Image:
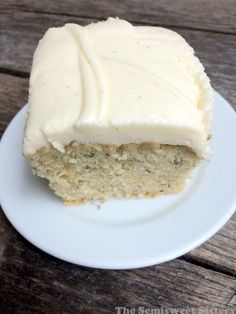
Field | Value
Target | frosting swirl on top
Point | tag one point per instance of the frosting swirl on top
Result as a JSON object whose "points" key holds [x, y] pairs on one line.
{"points": [[113, 83]]}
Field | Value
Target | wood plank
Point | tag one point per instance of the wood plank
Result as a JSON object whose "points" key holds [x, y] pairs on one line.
{"points": [[32, 282], [13, 95], [218, 252], [19, 34], [211, 15]]}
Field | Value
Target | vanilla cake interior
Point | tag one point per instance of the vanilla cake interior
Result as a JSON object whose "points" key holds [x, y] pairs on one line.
{"points": [[91, 172], [116, 111]]}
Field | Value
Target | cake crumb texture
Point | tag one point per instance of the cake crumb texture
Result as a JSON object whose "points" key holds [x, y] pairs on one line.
{"points": [[97, 172]]}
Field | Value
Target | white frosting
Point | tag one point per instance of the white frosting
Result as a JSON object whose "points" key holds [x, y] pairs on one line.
{"points": [[113, 83]]}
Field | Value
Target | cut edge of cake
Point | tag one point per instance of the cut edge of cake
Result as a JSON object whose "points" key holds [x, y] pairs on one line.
{"points": [[97, 172]]}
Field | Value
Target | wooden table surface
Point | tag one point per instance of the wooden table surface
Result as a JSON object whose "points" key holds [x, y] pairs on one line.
{"points": [[32, 281]]}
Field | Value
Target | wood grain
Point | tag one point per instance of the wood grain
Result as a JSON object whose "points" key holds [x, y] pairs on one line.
{"points": [[13, 95], [213, 15], [17, 44], [218, 252], [34, 282]]}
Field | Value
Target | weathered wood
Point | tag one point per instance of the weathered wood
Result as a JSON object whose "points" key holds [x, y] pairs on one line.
{"points": [[34, 282], [13, 95], [212, 15], [19, 34], [220, 251]]}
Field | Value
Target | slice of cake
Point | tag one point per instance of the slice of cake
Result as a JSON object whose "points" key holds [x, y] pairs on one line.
{"points": [[116, 110]]}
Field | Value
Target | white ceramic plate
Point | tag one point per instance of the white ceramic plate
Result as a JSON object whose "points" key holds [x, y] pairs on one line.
{"points": [[122, 233]]}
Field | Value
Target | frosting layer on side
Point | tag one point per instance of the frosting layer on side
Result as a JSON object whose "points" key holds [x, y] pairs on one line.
{"points": [[113, 83]]}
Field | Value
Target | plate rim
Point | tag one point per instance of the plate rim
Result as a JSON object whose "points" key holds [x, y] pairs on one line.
{"points": [[136, 264]]}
